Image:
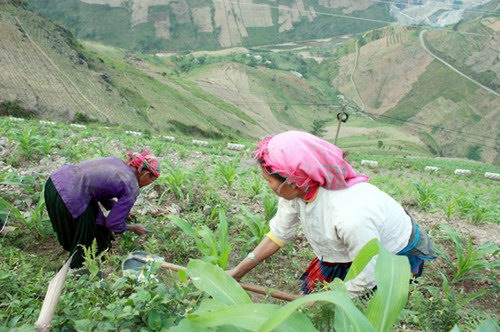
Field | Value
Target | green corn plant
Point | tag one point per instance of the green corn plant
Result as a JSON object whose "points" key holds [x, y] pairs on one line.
{"points": [[471, 207], [29, 143], [46, 146], [256, 186], [231, 305], [182, 152], [201, 173], [8, 211], [470, 262], [35, 220], [206, 241], [449, 209], [175, 180], [270, 203], [99, 149], [257, 228], [157, 147], [25, 182], [426, 195], [228, 171]]}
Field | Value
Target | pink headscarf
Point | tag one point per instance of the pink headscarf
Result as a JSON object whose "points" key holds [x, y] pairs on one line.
{"points": [[143, 160], [308, 161]]}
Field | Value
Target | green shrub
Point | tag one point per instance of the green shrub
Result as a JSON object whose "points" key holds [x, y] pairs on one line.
{"points": [[14, 108]]}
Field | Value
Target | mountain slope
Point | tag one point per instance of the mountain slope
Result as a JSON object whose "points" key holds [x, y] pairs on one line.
{"points": [[395, 78], [159, 25], [43, 68], [48, 71]]}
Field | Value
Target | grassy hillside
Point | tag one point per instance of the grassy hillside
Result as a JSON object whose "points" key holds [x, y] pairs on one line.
{"points": [[190, 25], [475, 52], [45, 68]]}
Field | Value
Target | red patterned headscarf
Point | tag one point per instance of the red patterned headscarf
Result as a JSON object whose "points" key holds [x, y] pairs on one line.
{"points": [[307, 161], [143, 160]]}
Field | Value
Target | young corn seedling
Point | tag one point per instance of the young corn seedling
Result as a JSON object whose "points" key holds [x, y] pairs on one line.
{"points": [[257, 227], [228, 171], [270, 203], [24, 182], [29, 143], [175, 180], [426, 195], [214, 248], [256, 186], [470, 207], [470, 262]]}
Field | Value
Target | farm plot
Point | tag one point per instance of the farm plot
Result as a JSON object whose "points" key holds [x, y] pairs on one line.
{"points": [[210, 207]]}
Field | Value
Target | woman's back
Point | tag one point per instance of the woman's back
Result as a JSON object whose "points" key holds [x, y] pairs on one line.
{"points": [[99, 179]]}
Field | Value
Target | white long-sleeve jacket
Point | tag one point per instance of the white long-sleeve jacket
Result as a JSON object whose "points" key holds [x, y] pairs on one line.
{"points": [[338, 223]]}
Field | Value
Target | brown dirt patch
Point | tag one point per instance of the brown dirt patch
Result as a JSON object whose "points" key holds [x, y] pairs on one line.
{"points": [[202, 19], [309, 55], [231, 83], [386, 71], [256, 16], [348, 6]]}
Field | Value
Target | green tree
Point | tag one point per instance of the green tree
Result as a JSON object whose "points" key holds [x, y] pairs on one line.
{"points": [[318, 127]]}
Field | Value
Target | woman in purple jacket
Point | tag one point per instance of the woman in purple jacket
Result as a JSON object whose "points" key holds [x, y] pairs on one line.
{"points": [[72, 194]]}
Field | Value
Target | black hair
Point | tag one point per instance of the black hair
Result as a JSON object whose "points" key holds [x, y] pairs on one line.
{"points": [[270, 171]]}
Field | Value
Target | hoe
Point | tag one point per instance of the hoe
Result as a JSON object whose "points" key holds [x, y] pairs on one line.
{"points": [[139, 260]]}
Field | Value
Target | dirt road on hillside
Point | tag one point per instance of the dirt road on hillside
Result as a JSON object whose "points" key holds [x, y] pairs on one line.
{"points": [[422, 42]]}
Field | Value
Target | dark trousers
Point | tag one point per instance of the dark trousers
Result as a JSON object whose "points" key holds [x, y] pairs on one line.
{"points": [[73, 233]]}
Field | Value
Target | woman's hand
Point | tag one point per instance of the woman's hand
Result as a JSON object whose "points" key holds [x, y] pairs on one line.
{"points": [[137, 229], [265, 249]]}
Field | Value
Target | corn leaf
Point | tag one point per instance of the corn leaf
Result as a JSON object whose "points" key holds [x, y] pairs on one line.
{"points": [[392, 274], [251, 316], [362, 259], [225, 246], [215, 282], [488, 325], [183, 225], [340, 299]]}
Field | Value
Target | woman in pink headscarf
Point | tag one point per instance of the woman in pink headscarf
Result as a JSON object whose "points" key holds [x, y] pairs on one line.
{"points": [[337, 209], [72, 194]]}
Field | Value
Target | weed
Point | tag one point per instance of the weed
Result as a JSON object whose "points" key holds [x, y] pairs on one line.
{"points": [[92, 260]]}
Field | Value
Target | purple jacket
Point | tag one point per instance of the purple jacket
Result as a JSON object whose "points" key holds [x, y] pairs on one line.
{"points": [[101, 180]]}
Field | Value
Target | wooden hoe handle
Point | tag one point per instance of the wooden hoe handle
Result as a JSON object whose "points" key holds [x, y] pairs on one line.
{"points": [[250, 287], [52, 298]]}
